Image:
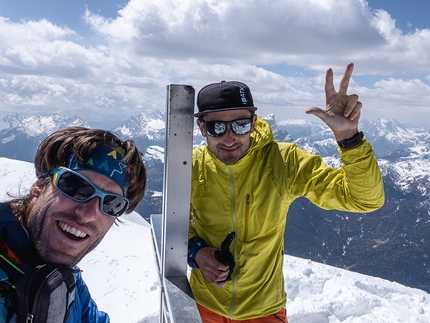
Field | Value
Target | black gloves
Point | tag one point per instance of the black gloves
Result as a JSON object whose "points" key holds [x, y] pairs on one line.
{"points": [[224, 255]]}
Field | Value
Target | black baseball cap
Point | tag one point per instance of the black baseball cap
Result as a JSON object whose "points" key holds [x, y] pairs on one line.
{"points": [[224, 96]]}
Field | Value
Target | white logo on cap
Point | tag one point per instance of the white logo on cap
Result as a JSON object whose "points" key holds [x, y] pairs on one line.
{"points": [[242, 95]]}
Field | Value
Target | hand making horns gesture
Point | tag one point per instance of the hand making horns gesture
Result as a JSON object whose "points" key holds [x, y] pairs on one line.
{"points": [[343, 111]]}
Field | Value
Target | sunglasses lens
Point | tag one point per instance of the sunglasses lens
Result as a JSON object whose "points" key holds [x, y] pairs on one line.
{"points": [[81, 190], [218, 128], [215, 128], [241, 126], [114, 205], [75, 187]]}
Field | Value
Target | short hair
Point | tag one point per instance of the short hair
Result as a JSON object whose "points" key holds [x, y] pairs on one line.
{"points": [[56, 149]]}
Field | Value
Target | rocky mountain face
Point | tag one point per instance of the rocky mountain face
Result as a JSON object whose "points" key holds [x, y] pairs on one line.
{"points": [[392, 242]]}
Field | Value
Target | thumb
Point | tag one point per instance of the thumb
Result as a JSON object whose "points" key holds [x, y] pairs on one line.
{"points": [[316, 112]]}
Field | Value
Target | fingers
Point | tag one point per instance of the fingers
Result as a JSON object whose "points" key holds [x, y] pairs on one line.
{"points": [[323, 115], [329, 87], [353, 107], [217, 277], [316, 112], [344, 82], [342, 111], [214, 271]]}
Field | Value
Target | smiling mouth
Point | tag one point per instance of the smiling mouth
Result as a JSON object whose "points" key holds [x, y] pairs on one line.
{"points": [[229, 148], [72, 232]]}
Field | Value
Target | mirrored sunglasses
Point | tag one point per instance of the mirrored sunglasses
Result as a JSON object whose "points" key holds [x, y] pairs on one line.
{"points": [[218, 128], [80, 189]]}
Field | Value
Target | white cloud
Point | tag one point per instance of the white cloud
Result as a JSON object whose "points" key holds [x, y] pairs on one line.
{"points": [[265, 31], [129, 59], [30, 32]]}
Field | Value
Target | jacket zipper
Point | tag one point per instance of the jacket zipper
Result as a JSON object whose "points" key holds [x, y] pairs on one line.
{"points": [[245, 233], [233, 219]]}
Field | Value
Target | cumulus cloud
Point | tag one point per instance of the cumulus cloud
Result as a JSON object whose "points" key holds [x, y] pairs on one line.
{"points": [[232, 31], [126, 61], [307, 33]]}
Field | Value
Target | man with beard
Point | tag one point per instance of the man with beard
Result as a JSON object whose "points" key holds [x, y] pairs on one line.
{"points": [[243, 183], [86, 180]]}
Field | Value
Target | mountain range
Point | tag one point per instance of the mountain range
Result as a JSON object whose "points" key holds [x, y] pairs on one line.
{"points": [[392, 243]]}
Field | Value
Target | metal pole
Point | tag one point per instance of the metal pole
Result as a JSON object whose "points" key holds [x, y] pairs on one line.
{"points": [[170, 232]]}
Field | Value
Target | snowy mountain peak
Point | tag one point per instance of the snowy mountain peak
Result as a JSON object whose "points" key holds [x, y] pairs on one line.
{"points": [[149, 125], [35, 126]]}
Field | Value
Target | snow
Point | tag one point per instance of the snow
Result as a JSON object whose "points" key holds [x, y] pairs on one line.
{"points": [[8, 139], [320, 293], [155, 152], [122, 277], [35, 125], [15, 177], [126, 132], [157, 194], [317, 293], [156, 124], [293, 122]]}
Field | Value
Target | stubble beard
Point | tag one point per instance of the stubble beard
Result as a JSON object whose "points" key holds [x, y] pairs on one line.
{"points": [[39, 234]]}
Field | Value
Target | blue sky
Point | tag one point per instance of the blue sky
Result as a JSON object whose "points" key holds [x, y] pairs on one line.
{"points": [[113, 59], [62, 13], [409, 14]]}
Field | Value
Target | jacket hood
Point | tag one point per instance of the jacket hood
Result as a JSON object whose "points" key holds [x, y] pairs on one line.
{"points": [[261, 136]]}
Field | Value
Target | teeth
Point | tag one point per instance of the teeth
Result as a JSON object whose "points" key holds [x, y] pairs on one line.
{"points": [[73, 231]]}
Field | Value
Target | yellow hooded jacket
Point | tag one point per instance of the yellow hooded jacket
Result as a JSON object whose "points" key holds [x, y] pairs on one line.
{"points": [[252, 198]]}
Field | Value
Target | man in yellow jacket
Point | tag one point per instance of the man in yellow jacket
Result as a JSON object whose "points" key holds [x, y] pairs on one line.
{"points": [[243, 183]]}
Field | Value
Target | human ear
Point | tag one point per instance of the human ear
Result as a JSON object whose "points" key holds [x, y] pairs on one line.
{"points": [[254, 120], [36, 188], [202, 128]]}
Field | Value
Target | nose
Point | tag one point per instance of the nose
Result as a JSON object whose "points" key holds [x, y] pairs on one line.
{"points": [[88, 211], [229, 136]]}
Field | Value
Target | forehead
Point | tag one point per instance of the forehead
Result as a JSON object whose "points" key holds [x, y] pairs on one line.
{"points": [[227, 115]]}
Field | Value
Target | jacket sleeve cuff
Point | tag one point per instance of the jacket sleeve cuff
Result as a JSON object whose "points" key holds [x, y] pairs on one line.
{"points": [[194, 245]]}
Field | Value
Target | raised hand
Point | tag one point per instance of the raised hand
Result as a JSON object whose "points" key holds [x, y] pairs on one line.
{"points": [[342, 111]]}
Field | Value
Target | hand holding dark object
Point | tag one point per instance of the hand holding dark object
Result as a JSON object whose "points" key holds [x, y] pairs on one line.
{"points": [[224, 255]]}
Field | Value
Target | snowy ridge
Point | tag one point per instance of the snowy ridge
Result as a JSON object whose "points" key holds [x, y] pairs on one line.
{"points": [[154, 152], [410, 171], [149, 125], [34, 126]]}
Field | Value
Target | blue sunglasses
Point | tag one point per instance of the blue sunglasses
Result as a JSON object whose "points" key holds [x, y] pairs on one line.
{"points": [[80, 189]]}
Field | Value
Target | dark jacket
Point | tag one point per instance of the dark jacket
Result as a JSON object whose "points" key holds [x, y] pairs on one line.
{"points": [[15, 243]]}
